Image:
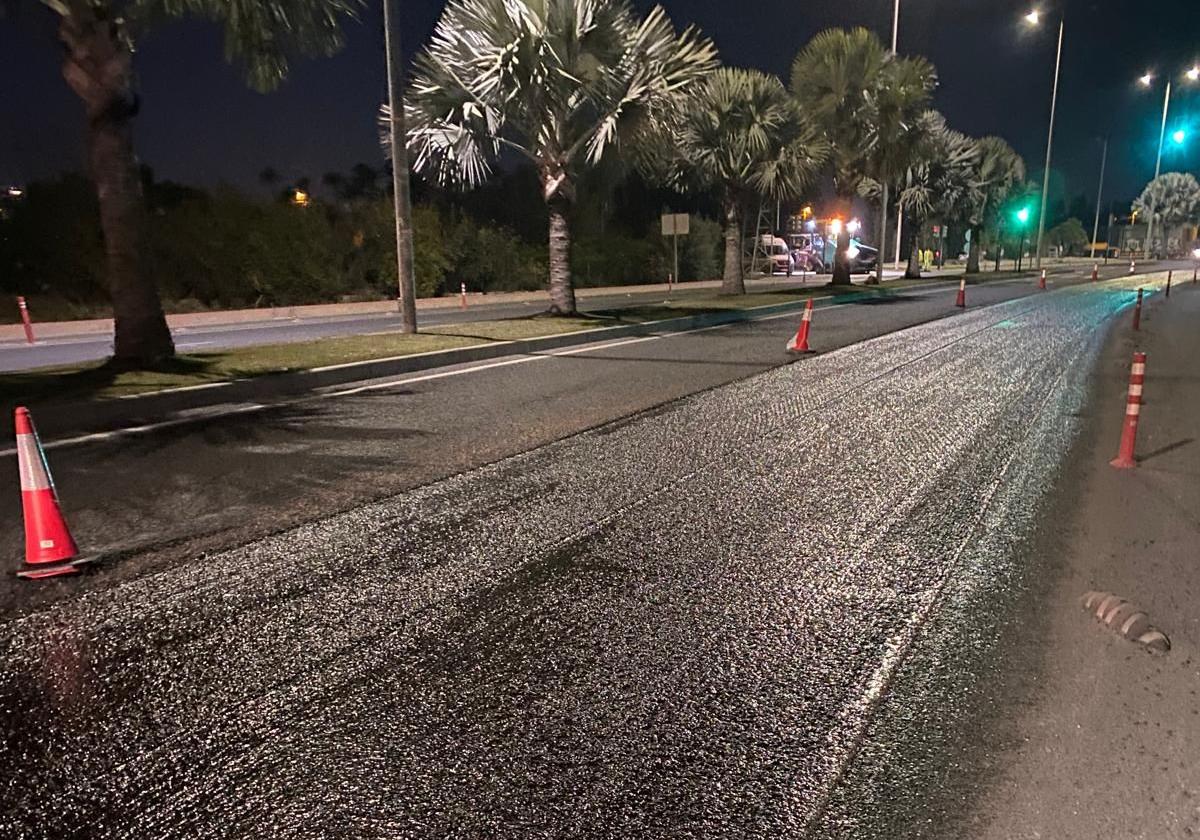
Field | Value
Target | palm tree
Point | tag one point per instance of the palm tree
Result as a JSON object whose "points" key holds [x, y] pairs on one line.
{"points": [[941, 181], [895, 134], [558, 82], [98, 36], [837, 78], [740, 133], [999, 171], [1172, 197]]}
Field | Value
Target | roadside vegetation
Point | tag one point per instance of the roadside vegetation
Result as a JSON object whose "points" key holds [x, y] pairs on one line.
{"points": [[545, 138]]}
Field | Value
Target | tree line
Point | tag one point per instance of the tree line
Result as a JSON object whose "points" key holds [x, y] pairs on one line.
{"points": [[565, 89]]}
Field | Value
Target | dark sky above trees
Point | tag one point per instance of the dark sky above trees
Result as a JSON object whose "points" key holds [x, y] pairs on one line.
{"points": [[200, 124]]}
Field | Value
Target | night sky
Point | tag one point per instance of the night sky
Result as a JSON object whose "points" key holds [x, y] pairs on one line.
{"points": [[201, 125]]}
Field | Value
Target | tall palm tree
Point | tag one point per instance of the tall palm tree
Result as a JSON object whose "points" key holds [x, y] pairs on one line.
{"points": [[940, 184], [999, 170], [895, 134], [558, 82], [740, 133], [837, 78], [99, 39]]}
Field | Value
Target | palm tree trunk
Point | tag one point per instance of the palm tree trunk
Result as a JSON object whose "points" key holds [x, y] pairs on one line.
{"points": [[882, 237], [976, 248], [562, 292], [913, 272], [841, 256], [97, 67], [733, 282]]}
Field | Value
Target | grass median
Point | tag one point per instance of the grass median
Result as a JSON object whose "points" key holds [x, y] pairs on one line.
{"points": [[100, 380]]}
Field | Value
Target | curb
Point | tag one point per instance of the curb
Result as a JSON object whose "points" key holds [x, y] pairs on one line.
{"points": [[102, 415]]}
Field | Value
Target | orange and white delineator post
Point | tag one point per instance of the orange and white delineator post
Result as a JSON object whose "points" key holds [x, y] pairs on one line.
{"points": [[462, 291], [1133, 411], [49, 547], [961, 300], [25, 321], [799, 343], [1137, 312], [1095, 272], [1042, 279]]}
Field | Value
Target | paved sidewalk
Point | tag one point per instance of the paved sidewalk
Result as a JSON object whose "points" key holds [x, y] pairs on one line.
{"points": [[1108, 745]]}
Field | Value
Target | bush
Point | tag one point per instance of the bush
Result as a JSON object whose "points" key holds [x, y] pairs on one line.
{"points": [[231, 251], [50, 242], [490, 259]]}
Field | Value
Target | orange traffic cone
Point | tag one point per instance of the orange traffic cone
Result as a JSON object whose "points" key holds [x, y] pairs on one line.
{"points": [[1042, 280], [49, 548], [799, 344], [961, 301]]}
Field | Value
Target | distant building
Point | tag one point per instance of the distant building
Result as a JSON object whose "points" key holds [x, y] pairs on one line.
{"points": [[1179, 240]]}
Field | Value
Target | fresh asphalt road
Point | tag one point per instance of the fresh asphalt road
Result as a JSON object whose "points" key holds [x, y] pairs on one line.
{"points": [[222, 481], [681, 624]]}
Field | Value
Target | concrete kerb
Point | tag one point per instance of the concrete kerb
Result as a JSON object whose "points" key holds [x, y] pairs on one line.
{"points": [[102, 415]]}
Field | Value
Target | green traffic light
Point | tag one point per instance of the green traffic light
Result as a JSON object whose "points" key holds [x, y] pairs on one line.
{"points": [[1023, 215], [1179, 137]]}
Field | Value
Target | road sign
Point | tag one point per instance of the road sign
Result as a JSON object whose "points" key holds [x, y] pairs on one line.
{"points": [[674, 224]]}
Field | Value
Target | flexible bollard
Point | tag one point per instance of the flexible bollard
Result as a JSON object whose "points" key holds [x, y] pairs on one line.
{"points": [[1132, 266], [1137, 313], [25, 322], [1095, 272], [961, 300], [1042, 280], [799, 342], [1133, 411], [462, 293]]}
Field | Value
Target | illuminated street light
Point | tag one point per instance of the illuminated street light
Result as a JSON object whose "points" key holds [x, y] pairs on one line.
{"points": [[300, 198], [1179, 136], [853, 226], [1147, 80], [1034, 17], [1023, 215]]}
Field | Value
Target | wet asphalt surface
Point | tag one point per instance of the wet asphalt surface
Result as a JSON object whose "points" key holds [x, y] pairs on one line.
{"points": [[681, 624]]}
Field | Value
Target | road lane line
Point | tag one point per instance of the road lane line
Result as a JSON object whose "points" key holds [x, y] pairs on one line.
{"points": [[928, 289]]}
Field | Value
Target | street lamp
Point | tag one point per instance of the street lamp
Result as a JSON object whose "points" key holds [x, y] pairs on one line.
{"points": [[1034, 18], [1179, 136]]}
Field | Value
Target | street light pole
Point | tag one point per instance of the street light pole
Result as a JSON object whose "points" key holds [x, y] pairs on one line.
{"points": [[405, 285], [899, 210], [1049, 145], [1099, 193], [1162, 133]]}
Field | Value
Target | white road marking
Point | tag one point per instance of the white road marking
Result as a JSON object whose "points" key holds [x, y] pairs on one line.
{"points": [[247, 408]]}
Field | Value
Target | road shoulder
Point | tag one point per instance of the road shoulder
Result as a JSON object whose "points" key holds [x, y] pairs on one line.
{"points": [[1102, 735]]}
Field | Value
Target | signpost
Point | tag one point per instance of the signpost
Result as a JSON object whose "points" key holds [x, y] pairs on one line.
{"points": [[675, 225]]}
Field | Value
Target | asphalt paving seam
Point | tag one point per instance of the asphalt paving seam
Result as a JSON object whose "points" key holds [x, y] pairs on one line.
{"points": [[851, 388], [927, 289]]}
